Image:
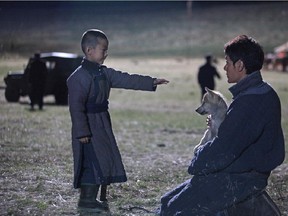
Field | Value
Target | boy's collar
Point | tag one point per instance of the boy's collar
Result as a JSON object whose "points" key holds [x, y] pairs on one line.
{"points": [[90, 66]]}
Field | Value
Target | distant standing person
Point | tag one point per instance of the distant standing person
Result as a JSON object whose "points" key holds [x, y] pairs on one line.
{"points": [[97, 160], [37, 79], [206, 75]]}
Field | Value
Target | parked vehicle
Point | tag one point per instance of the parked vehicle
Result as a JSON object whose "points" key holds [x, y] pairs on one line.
{"points": [[277, 60], [60, 65]]}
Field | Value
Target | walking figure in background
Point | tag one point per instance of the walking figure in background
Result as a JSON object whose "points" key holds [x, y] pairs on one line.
{"points": [[37, 79], [97, 160], [206, 75]]}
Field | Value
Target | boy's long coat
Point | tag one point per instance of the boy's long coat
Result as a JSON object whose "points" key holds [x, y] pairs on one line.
{"points": [[89, 87]]}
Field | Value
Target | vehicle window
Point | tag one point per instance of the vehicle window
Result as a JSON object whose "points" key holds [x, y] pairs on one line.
{"points": [[50, 65]]}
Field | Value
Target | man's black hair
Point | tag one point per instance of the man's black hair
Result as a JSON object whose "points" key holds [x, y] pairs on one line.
{"points": [[247, 50]]}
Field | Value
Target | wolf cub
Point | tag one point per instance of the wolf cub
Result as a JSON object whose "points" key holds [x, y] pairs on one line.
{"points": [[213, 104]]}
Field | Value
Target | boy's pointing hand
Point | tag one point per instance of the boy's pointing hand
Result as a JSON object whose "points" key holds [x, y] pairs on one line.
{"points": [[160, 81]]}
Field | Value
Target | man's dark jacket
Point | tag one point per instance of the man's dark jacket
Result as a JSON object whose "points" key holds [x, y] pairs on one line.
{"points": [[237, 163]]}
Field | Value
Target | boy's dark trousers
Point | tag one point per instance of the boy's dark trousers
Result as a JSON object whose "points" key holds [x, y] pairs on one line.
{"points": [[88, 188]]}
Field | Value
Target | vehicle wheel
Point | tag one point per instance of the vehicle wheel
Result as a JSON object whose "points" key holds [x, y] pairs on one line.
{"points": [[12, 94]]}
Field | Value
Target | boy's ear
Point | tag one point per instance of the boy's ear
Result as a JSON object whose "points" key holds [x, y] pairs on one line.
{"points": [[88, 49]]}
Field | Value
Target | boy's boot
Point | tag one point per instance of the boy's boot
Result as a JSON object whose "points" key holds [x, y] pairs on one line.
{"points": [[103, 197], [88, 200], [103, 193]]}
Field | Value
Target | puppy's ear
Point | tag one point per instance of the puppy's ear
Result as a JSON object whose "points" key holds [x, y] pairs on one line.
{"points": [[210, 93], [208, 90]]}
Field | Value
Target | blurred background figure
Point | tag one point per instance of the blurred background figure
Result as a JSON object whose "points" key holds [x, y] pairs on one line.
{"points": [[189, 8], [37, 79], [206, 75]]}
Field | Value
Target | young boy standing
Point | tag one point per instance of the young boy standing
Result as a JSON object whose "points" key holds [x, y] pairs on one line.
{"points": [[97, 160]]}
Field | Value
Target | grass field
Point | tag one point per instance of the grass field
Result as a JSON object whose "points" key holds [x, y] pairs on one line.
{"points": [[156, 132], [143, 29]]}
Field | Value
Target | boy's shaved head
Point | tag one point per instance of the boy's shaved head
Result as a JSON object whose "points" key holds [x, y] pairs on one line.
{"points": [[90, 38]]}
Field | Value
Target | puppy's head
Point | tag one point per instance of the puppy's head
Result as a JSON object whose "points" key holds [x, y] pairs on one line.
{"points": [[210, 101]]}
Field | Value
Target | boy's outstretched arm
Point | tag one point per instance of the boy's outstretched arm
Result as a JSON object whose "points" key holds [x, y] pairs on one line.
{"points": [[160, 81]]}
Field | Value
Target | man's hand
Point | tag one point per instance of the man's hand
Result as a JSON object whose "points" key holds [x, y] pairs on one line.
{"points": [[160, 81], [208, 121]]}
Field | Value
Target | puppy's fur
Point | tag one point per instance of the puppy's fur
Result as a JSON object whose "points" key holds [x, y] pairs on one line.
{"points": [[213, 104]]}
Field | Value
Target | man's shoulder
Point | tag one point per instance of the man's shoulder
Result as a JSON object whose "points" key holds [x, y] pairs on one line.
{"points": [[260, 89]]}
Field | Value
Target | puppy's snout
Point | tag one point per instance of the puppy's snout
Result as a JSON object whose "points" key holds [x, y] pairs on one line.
{"points": [[200, 110]]}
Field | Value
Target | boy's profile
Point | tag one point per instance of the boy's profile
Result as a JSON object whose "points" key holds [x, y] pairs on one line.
{"points": [[97, 160]]}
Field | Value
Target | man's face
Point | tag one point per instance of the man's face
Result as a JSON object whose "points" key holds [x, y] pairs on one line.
{"points": [[234, 72], [99, 53]]}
